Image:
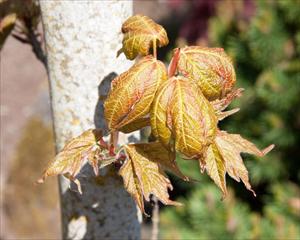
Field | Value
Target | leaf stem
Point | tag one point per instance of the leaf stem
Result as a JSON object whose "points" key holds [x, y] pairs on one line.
{"points": [[113, 142], [173, 64], [154, 49]]}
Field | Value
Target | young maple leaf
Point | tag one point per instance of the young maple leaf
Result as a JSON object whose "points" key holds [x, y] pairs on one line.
{"points": [[180, 111], [143, 172], [210, 68], [132, 92], [158, 113], [88, 147], [140, 33], [223, 156], [221, 104], [135, 125]]}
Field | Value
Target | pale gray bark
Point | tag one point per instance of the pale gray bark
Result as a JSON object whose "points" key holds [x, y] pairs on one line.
{"points": [[82, 39]]}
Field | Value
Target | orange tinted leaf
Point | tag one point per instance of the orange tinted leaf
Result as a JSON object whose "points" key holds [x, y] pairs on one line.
{"points": [[215, 167], [158, 113], [135, 125], [230, 146], [139, 34], [75, 154], [151, 178], [220, 104], [240, 144], [131, 183], [191, 118], [166, 159], [133, 92], [210, 68], [225, 114]]}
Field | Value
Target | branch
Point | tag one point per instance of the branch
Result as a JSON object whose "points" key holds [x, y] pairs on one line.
{"points": [[155, 219], [36, 47]]}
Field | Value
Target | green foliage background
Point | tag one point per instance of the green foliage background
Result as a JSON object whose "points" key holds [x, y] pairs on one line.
{"points": [[266, 51]]}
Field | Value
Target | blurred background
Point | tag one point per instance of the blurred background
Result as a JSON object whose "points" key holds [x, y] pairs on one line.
{"points": [[262, 37]]}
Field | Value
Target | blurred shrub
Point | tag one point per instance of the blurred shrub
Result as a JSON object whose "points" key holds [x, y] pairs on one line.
{"points": [[205, 217], [263, 37]]}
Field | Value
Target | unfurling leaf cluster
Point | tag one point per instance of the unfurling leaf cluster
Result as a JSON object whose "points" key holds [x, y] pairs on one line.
{"points": [[182, 105]]}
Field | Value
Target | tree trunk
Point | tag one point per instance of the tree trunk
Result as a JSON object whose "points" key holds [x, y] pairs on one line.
{"points": [[82, 39]]}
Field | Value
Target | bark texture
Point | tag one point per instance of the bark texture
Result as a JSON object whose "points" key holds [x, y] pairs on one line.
{"points": [[82, 39]]}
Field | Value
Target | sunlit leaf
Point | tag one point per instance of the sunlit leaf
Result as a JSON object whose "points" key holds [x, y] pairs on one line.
{"points": [[139, 34], [158, 113], [143, 171], [78, 151], [132, 183], [220, 104], [215, 167], [159, 154], [230, 146], [210, 68], [135, 125], [191, 118], [133, 91], [242, 145]]}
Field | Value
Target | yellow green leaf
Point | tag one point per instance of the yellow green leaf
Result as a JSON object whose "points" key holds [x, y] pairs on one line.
{"points": [[131, 183], [191, 118], [215, 167], [240, 144], [159, 154], [220, 104], [78, 151], [210, 68], [133, 91], [158, 113], [145, 173], [140, 32], [230, 146], [135, 125]]}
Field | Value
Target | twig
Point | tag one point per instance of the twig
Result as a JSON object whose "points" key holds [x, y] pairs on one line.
{"points": [[155, 219], [31, 38], [22, 40], [36, 47]]}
